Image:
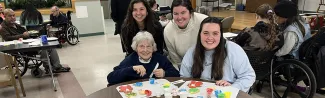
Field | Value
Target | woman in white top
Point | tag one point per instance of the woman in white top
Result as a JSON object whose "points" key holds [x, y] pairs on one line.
{"points": [[181, 32]]}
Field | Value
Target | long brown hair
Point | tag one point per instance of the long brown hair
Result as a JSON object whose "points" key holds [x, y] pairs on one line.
{"points": [[265, 11], [218, 57], [130, 27]]}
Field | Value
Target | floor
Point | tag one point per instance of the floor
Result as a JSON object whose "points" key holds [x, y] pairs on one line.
{"points": [[91, 60], [242, 20]]}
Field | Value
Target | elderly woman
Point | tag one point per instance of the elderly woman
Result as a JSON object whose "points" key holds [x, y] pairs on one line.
{"points": [[141, 64]]}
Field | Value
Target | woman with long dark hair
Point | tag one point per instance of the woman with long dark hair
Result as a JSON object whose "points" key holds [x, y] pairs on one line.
{"points": [[295, 31], [141, 18], [31, 16], [264, 36], [215, 58]]}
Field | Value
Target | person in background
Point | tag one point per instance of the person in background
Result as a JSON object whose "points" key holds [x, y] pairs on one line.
{"points": [[179, 34], [2, 16], [141, 64], [140, 17], [119, 9], [161, 18], [12, 31], [295, 31], [264, 36], [31, 16], [214, 58]]}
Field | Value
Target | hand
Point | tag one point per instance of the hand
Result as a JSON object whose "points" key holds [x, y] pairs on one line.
{"points": [[223, 83], [140, 70], [26, 34], [159, 73]]}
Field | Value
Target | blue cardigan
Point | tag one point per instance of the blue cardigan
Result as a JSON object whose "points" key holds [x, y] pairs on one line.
{"points": [[124, 72]]}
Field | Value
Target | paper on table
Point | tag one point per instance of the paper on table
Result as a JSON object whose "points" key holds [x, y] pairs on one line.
{"points": [[229, 34], [35, 43], [81, 12], [6, 43], [29, 40]]}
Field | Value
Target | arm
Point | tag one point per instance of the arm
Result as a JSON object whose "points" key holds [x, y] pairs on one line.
{"points": [[173, 56], [8, 37], [170, 70], [114, 10], [121, 72], [243, 70], [290, 39], [187, 63], [40, 18]]}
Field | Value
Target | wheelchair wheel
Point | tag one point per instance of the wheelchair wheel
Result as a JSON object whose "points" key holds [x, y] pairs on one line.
{"points": [[72, 35], [293, 77], [37, 72]]}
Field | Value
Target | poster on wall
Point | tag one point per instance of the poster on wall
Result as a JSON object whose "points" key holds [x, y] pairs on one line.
{"points": [[81, 12]]}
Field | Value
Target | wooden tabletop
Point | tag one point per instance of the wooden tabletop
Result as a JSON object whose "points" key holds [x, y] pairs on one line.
{"points": [[111, 92]]}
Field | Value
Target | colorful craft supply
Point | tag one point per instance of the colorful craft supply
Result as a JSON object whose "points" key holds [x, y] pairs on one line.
{"points": [[217, 92], [221, 95], [125, 88], [194, 84], [227, 94], [199, 96], [152, 80], [130, 95], [166, 85], [193, 90], [138, 84], [148, 92], [141, 92], [182, 90]]}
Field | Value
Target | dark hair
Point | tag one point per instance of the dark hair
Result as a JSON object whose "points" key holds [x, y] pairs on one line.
{"points": [[31, 14], [185, 3], [265, 11], [130, 27], [151, 3], [218, 57]]}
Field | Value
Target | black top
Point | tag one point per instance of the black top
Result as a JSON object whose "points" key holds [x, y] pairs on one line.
{"points": [[119, 9], [56, 21], [124, 72]]}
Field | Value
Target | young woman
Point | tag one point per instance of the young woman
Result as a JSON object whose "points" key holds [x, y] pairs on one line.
{"points": [[295, 31], [179, 34], [142, 62], [264, 36], [31, 16], [141, 18], [215, 58]]}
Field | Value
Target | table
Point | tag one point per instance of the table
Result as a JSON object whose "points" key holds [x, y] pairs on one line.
{"points": [[111, 92], [13, 48]]}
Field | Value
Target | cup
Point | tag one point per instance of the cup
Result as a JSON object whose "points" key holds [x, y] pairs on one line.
{"points": [[168, 95], [152, 80], [44, 39], [183, 95]]}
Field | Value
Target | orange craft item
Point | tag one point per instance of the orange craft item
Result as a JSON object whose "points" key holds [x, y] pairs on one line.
{"points": [[125, 88], [148, 92], [195, 84]]}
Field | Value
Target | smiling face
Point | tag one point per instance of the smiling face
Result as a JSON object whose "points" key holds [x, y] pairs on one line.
{"points": [[139, 12], [145, 49], [181, 16], [210, 35]]}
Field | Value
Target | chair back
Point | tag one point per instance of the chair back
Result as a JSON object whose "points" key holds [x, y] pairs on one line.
{"points": [[69, 15], [227, 22], [261, 62], [3, 60]]}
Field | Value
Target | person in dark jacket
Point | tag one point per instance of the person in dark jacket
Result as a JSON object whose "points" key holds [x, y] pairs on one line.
{"points": [[140, 17], [31, 16], [119, 9], [141, 64], [57, 17], [264, 36]]}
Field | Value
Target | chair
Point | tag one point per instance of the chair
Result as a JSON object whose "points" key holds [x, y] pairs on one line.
{"points": [[7, 76], [322, 3], [208, 1], [227, 23]]}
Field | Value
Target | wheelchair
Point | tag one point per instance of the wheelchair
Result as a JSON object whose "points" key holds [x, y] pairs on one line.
{"points": [[284, 74], [67, 32]]}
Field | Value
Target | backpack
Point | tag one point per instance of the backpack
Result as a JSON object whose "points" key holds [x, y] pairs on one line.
{"points": [[312, 52]]}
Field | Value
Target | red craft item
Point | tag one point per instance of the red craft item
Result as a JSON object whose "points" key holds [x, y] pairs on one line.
{"points": [[209, 91], [195, 84], [148, 92], [125, 88]]}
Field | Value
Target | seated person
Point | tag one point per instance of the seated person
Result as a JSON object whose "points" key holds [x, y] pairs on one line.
{"points": [[214, 58], [141, 63], [2, 17], [295, 31], [264, 36], [31, 16], [161, 18], [12, 31], [57, 19]]}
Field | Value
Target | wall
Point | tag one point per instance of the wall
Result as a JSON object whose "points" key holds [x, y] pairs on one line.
{"points": [[310, 5]]}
